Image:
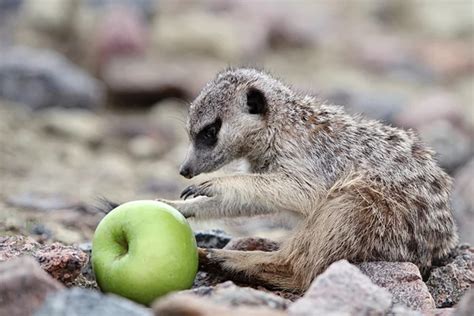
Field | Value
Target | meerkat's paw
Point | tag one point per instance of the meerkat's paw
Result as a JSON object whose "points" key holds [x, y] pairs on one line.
{"points": [[184, 207], [205, 188]]}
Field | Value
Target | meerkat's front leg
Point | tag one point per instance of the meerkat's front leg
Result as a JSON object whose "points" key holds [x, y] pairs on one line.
{"points": [[241, 195]]}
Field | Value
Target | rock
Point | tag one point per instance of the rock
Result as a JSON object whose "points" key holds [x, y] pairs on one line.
{"points": [[77, 301], [252, 243], [64, 263], [466, 305], [17, 246], [446, 21], [149, 81], [152, 146], [53, 18], [228, 293], [74, 124], [226, 37], [121, 31], [190, 305], [443, 312], [24, 286], [449, 282], [463, 202], [448, 59], [391, 55], [208, 279], [342, 290], [403, 280], [436, 105], [145, 7], [214, 238], [453, 148], [42, 79], [382, 107], [42, 202]]}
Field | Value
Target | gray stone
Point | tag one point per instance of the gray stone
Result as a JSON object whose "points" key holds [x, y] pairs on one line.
{"points": [[449, 282], [214, 238], [80, 302], [403, 280], [42, 202], [228, 293], [466, 305], [342, 290], [189, 304], [382, 106], [463, 202], [453, 147], [42, 78], [24, 286]]}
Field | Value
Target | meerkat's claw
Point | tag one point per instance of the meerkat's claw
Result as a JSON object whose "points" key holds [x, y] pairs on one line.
{"points": [[189, 191], [197, 190]]}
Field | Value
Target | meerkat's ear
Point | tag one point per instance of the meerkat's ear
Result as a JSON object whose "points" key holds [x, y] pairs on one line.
{"points": [[256, 101]]}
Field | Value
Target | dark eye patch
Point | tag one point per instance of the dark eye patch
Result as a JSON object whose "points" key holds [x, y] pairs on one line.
{"points": [[207, 137]]}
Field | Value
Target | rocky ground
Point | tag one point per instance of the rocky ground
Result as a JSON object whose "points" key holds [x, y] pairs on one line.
{"points": [[93, 99]]}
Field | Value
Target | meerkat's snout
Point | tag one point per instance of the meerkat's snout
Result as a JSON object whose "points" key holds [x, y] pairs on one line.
{"points": [[185, 171], [188, 168]]}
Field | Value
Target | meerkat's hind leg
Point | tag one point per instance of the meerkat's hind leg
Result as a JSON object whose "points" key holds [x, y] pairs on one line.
{"points": [[255, 267]]}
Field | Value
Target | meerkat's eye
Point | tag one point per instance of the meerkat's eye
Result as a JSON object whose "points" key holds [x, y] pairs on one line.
{"points": [[256, 101], [208, 135]]}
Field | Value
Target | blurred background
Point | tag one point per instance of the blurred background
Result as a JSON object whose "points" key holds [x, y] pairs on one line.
{"points": [[94, 93]]}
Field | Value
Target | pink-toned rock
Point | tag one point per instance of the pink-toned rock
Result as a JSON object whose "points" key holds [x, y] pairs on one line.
{"points": [[448, 59], [63, 263], [149, 81], [17, 246], [24, 286], [381, 52], [429, 108], [403, 280], [342, 290], [121, 32]]}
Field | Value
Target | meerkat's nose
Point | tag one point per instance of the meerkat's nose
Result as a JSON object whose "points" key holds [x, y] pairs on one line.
{"points": [[185, 171]]}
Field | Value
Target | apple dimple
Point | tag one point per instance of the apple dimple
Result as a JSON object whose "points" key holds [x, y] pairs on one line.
{"points": [[122, 240]]}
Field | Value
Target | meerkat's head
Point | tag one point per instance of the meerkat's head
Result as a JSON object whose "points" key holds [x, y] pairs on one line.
{"points": [[228, 120]]}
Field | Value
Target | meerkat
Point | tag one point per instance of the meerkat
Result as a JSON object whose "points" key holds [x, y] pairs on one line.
{"points": [[361, 190]]}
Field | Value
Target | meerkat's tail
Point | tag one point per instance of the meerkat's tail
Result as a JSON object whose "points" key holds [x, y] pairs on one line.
{"points": [[104, 205]]}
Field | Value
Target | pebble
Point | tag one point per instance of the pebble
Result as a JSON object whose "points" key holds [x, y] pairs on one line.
{"points": [[403, 280], [43, 79], [342, 290], [449, 282], [80, 302], [24, 286], [214, 238]]}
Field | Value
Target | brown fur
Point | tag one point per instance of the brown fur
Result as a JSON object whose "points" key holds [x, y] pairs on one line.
{"points": [[361, 190]]}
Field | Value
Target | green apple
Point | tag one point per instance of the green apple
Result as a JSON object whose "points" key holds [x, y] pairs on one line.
{"points": [[144, 249]]}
